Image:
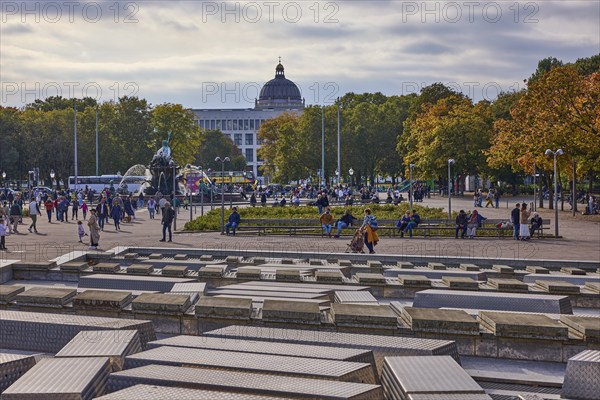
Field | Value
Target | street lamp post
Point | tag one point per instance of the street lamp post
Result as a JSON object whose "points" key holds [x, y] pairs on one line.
{"points": [[52, 175], [4, 179], [222, 161], [351, 172], [231, 190], [450, 162], [410, 192], [558, 152]]}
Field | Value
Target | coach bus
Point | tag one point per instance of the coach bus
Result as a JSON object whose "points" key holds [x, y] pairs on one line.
{"points": [[97, 183], [235, 177]]}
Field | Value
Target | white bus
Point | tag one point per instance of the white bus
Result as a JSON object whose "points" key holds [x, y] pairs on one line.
{"points": [[97, 183]]}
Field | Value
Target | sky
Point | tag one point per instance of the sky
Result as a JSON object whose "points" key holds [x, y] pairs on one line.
{"points": [[216, 54]]}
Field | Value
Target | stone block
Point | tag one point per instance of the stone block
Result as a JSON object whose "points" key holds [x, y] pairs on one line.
{"points": [[74, 266], [291, 311], [232, 260], [158, 303], [557, 287], [206, 257], [582, 377], [405, 265], [586, 328], [155, 256], [414, 280], [469, 267], [9, 292], [374, 264], [364, 314], [210, 272], [537, 270], [344, 263], [109, 268], [40, 266], [46, 297], [102, 299], [140, 269], [440, 321], [224, 307], [508, 285], [366, 278], [180, 257], [463, 283], [249, 273], [175, 270], [315, 261], [287, 261], [332, 260], [288, 275], [593, 287], [503, 269], [329, 276], [130, 256], [527, 326], [572, 271], [259, 260], [436, 266]]}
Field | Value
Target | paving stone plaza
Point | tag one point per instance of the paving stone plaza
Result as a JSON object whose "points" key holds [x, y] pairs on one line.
{"points": [[190, 322]]}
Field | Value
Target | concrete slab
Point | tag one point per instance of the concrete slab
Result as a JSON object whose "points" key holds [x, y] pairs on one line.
{"points": [[74, 266], [130, 256], [374, 264], [283, 310], [161, 303], [34, 265], [286, 261], [154, 392], [155, 256], [527, 326], [405, 265], [574, 279], [582, 378], [224, 307], [206, 257], [367, 278], [258, 260], [586, 328], [46, 297], [189, 287], [248, 273], [593, 286], [537, 270], [439, 321], [503, 269], [573, 271], [180, 257], [288, 275], [344, 263], [232, 260], [364, 314], [436, 266], [534, 373], [508, 285], [140, 269], [414, 280], [13, 364], [557, 287], [211, 272], [460, 283], [315, 261], [130, 282], [9, 292], [354, 297], [469, 267], [175, 270], [109, 268], [329, 276], [102, 299]]}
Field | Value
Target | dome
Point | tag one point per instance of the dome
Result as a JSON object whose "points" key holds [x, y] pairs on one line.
{"points": [[280, 92]]}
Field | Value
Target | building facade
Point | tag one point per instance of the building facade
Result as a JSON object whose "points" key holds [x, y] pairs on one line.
{"points": [[241, 125]]}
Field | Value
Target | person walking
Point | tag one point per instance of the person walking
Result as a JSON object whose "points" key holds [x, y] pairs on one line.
{"points": [[233, 221], [490, 198], [151, 207], [15, 215], [34, 211], [94, 229], [116, 213], [515, 218], [84, 209], [49, 206], [102, 212], [3, 229], [326, 220], [369, 231], [168, 215], [75, 210]]}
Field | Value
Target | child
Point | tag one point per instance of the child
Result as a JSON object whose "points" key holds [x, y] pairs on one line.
{"points": [[80, 231], [84, 208], [2, 234]]}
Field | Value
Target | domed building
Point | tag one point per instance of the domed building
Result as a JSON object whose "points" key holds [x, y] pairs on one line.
{"points": [[241, 125], [280, 93]]}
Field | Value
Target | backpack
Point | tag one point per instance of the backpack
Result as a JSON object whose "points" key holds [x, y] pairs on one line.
{"points": [[373, 223]]}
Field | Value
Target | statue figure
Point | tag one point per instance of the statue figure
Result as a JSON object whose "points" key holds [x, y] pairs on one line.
{"points": [[165, 150]]}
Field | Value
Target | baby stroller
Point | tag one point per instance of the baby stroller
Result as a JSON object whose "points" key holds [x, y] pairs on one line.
{"points": [[357, 243]]}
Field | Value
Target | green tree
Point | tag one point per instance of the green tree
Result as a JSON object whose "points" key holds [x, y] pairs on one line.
{"points": [[215, 144]]}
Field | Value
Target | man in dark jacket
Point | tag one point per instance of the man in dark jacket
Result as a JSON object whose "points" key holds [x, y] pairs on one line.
{"points": [[461, 224], [233, 221], [168, 216], [515, 216], [15, 215]]}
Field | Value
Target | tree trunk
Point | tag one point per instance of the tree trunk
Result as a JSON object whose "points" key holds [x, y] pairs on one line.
{"points": [[549, 185], [562, 194], [574, 189]]}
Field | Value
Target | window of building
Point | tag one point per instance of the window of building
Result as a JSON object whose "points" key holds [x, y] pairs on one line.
{"points": [[224, 124], [250, 155], [235, 124], [249, 139], [218, 126], [251, 124], [237, 139], [246, 124], [229, 125], [212, 124]]}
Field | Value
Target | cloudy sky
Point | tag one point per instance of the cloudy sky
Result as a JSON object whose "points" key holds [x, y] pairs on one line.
{"points": [[206, 54]]}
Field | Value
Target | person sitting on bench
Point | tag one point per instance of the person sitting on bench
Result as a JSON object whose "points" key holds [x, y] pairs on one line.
{"points": [[536, 223], [233, 221]]}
